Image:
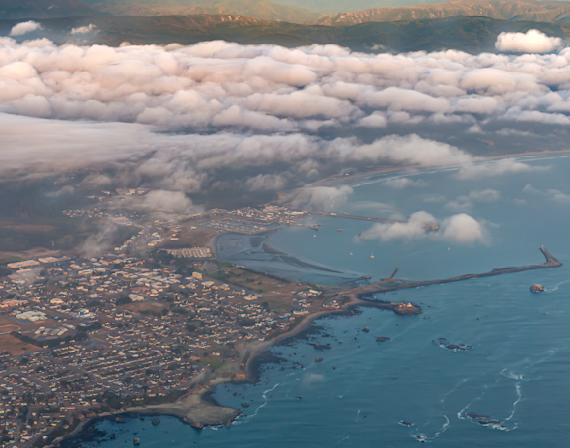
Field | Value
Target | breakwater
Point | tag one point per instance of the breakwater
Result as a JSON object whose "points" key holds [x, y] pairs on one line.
{"points": [[361, 218], [382, 286]]}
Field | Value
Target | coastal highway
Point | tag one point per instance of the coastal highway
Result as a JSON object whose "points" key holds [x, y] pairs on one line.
{"points": [[378, 287]]}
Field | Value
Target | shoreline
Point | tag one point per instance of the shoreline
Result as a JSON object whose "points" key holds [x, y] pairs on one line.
{"points": [[332, 180], [251, 367], [198, 408]]}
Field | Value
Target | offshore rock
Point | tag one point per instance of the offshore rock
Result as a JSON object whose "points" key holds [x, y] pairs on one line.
{"points": [[406, 308], [322, 347], [537, 288]]}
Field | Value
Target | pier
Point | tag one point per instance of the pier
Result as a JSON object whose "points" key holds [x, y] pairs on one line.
{"points": [[383, 286]]}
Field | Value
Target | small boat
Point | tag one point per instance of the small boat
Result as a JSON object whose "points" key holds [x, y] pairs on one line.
{"points": [[351, 253], [314, 236], [339, 230], [372, 256], [137, 441]]}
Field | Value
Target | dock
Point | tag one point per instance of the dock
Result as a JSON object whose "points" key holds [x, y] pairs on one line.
{"points": [[382, 286]]}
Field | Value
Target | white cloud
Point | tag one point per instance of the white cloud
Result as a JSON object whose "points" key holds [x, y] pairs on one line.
{"points": [[403, 182], [63, 191], [533, 41], [168, 202], [487, 195], [84, 29], [25, 27], [528, 188], [553, 194], [462, 203], [376, 120], [495, 168], [558, 196], [413, 228], [465, 203], [322, 198], [266, 182], [460, 228], [432, 197], [463, 228]]}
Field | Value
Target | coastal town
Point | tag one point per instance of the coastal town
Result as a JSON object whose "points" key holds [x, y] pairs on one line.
{"points": [[139, 325], [156, 320]]}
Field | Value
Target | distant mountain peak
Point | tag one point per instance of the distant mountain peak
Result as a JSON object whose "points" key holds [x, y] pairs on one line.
{"points": [[544, 11], [16, 9]]}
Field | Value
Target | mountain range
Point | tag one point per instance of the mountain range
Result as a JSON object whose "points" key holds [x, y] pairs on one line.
{"points": [[471, 25], [471, 34], [294, 11], [497, 9]]}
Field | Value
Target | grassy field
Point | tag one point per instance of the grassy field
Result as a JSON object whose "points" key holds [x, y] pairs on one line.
{"points": [[216, 363], [254, 281], [190, 238]]}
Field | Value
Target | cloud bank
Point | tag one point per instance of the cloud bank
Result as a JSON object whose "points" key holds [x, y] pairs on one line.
{"points": [[217, 85], [225, 116]]}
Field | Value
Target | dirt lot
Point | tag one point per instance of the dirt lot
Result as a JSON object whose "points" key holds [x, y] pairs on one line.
{"points": [[6, 323], [35, 253], [141, 307], [8, 328], [14, 346]]}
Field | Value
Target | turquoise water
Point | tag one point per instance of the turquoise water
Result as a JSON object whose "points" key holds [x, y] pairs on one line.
{"points": [[516, 371]]}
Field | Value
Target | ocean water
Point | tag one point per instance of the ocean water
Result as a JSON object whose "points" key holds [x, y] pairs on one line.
{"points": [[516, 371]]}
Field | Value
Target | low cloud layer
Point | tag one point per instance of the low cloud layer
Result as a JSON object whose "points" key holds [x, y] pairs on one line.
{"points": [[261, 118], [217, 85], [461, 228], [533, 41], [25, 27]]}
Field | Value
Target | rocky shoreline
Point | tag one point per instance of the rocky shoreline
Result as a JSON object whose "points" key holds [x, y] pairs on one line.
{"points": [[198, 408]]}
